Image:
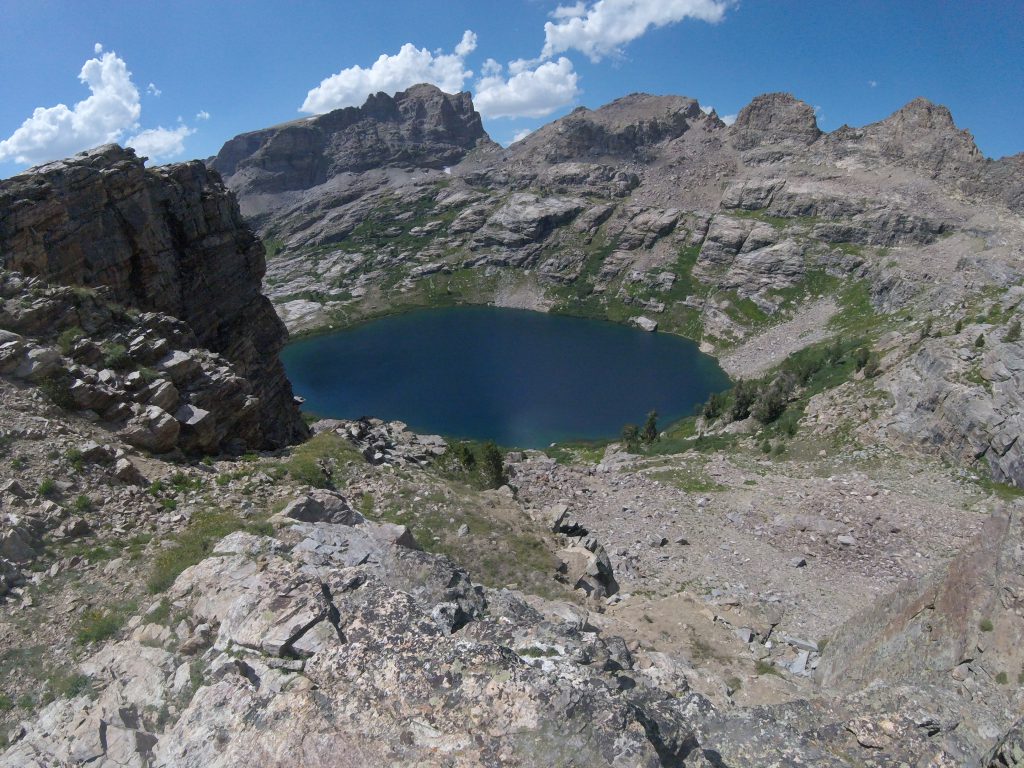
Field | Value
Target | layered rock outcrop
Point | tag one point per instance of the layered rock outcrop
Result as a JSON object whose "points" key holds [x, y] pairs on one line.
{"points": [[167, 240]]}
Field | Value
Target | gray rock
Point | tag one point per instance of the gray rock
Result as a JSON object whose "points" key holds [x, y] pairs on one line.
{"points": [[152, 429], [645, 323]]}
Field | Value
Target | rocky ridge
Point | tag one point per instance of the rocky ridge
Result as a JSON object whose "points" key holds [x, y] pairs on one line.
{"points": [[164, 240]]}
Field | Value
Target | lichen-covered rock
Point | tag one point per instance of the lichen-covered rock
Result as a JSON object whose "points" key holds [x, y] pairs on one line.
{"points": [[333, 647]]}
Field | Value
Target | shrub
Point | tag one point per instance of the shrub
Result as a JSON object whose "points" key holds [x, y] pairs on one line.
{"points": [[464, 455], [48, 487], [82, 503], [861, 357], [959, 326], [1002, 678], [1012, 332], [116, 356], [68, 338], [743, 395], [96, 625], [980, 341], [492, 465], [872, 367], [57, 388], [75, 459], [772, 401], [985, 625], [650, 431], [788, 423], [65, 685], [631, 436], [314, 461], [714, 407]]}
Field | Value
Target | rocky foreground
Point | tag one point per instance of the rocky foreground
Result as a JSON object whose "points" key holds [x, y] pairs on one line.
{"points": [[319, 634]]}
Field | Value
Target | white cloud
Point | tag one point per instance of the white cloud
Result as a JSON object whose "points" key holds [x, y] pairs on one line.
{"points": [[872, 83], [202, 114], [111, 111], [466, 45], [152, 90], [528, 92], [411, 65], [728, 119], [603, 27], [520, 135], [160, 143], [54, 132], [569, 11]]}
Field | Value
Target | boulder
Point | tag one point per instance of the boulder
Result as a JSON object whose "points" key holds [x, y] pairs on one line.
{"points": [[39, 363], [127, 472], [180, 366], [161, 393], [198, 428], [322, 507], [152, 429]]}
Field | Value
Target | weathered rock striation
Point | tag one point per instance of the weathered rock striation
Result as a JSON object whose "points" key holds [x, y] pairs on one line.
{"points": [[168, 240]]}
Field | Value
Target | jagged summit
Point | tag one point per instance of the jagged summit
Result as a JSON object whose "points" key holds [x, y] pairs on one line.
{"points": [[616, 129], [422, 126], [775, 118]]}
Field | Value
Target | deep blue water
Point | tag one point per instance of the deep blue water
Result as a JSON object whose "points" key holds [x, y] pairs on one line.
{"points": [[520, 378]]}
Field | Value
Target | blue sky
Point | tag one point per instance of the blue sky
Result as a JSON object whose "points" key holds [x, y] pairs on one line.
{"points": [[177, 79]]}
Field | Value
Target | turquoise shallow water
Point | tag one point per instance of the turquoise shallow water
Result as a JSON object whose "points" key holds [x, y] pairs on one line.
{"points": [[520, 378]]}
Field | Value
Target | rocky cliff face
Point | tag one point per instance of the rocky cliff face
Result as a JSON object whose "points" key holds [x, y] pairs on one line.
{"points": [[168, 240]]}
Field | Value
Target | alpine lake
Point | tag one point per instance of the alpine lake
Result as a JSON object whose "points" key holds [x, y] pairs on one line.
{"points": [[520, 378]]}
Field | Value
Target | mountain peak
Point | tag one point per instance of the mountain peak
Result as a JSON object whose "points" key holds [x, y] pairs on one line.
{"points": [[422, 126], [924, 135], [775, 118], [616, 129]]}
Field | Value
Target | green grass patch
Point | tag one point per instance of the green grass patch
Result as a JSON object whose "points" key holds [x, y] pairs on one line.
{"points": [[68, 338], [578, 451], [321, 460], [687, 480], [1002, 491], [98, 624], [195, 543], [763, 667]]}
